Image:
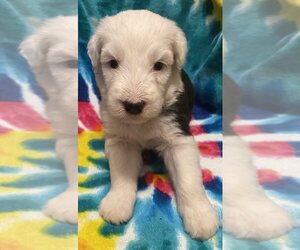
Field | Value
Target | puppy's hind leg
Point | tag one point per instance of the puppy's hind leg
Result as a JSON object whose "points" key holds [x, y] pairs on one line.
{"points": [[125, 161], [64, 207], [247, 211], [183, 164]]}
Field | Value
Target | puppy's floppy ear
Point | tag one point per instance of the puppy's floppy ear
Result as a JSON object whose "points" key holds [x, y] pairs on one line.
{"points": [[94, 50], [32, 50], [179, 47]]}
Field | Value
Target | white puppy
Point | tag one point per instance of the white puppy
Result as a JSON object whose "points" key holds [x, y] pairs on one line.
{"points": [[52, 53], [146, 103]]}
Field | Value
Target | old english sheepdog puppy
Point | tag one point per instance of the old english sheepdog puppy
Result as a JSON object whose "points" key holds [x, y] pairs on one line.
{"points": [[52, 53], [147, 100]]}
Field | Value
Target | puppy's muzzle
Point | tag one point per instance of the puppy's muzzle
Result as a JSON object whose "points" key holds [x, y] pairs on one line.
{"points": [[134, 108]]}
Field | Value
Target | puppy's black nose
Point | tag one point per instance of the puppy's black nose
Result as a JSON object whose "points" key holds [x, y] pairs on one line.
{"points": [[134, 108]]}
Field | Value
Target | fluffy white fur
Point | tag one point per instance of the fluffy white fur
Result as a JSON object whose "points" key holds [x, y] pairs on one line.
{"points": [[52, 52], [137, 40], [247, 212]]}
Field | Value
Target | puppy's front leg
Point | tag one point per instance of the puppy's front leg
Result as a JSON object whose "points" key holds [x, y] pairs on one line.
{"points": [[64, 207], [182, 160], [124, 161]]}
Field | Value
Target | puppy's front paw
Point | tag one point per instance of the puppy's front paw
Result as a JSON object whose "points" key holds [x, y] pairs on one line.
{"points": [[117, 206], [201, 222], [63, 207], [251, 220]]}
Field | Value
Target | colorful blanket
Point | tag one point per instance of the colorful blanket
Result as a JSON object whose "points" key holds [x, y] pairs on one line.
{"points": [[30, 173]]}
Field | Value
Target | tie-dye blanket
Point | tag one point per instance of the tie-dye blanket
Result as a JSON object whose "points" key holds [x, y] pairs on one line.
{"points": [[30, 173]]}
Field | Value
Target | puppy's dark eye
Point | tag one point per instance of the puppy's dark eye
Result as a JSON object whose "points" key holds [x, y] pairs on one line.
{"points": [[158, 66], [113, 64]]}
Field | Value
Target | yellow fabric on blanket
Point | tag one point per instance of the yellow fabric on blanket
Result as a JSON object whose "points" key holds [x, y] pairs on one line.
{"points": [[20, 232], [84, 153], [23, 165], [90, 222], [89, 238], [11, 149]]}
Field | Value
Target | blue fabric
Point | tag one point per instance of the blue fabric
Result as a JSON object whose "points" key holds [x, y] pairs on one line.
{"points": [[19, 19], [263, 53]]}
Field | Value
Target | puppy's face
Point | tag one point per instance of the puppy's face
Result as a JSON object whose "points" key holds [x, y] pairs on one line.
{"points": [[134, 55], [52, 53]]}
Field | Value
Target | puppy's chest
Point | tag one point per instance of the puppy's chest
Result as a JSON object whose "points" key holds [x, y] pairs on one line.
{"points": [[148, 136]]}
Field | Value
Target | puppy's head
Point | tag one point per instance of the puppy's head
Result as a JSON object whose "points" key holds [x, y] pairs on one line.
{"points": [[136, 55], [52, 53]]}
